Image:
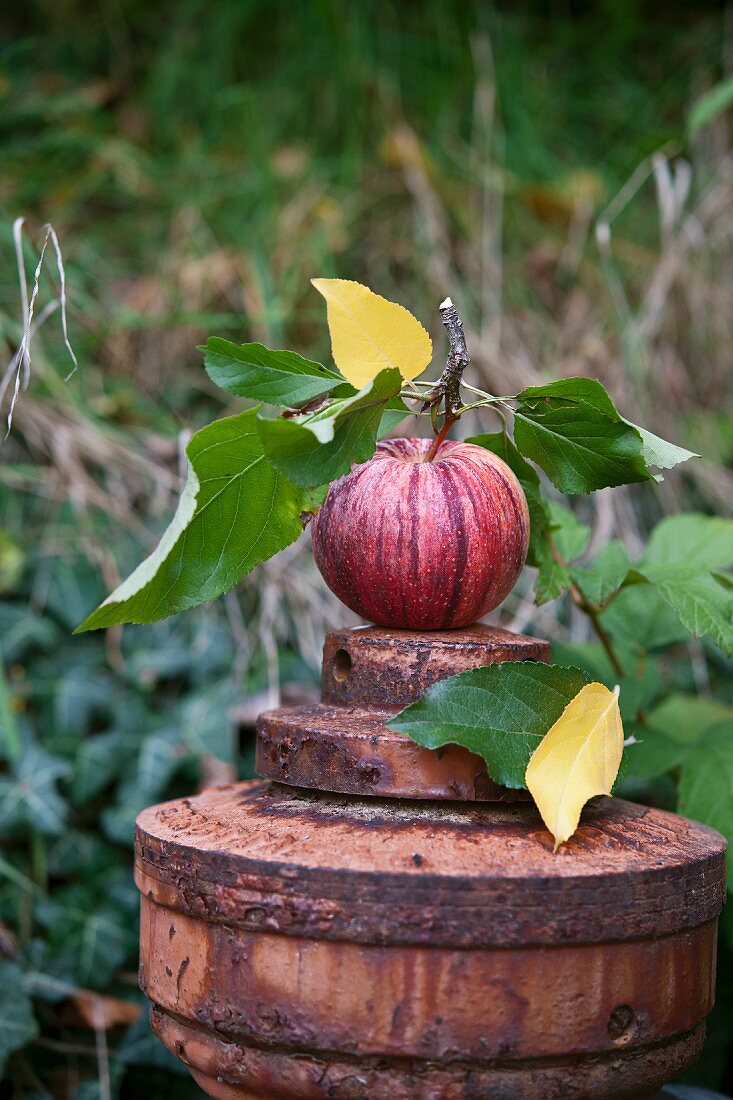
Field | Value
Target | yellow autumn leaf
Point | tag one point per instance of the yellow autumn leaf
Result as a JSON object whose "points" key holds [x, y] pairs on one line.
{"points": [[370, 334], [578, 757]]}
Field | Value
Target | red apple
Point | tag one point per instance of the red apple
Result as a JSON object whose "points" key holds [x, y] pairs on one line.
{"points": [[423, 545]]}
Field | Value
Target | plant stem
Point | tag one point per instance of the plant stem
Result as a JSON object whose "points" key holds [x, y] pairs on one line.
{"points": [[475, 389], [581, 601], [447, 424], [584, 604]]}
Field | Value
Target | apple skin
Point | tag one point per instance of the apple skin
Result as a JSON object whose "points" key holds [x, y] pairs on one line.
{"points": [[422, 545]]}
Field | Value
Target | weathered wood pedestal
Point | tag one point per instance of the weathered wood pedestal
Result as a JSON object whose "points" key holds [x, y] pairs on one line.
{"points": [[410, 933]]}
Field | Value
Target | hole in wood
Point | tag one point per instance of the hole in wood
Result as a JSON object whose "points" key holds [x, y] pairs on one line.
{"points": [[621, 1025], [341, 665]]}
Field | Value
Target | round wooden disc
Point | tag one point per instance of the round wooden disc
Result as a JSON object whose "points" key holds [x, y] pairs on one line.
{"points": [[373, 870], [351, 750], [302, 945], [370, 666], [342, 744]]}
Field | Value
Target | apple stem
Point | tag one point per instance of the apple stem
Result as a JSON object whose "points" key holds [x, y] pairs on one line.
{"points": [[447, 425], [448, 386]]}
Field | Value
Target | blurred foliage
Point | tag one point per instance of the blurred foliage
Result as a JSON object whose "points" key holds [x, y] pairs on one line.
{"points": [[566, 175]]}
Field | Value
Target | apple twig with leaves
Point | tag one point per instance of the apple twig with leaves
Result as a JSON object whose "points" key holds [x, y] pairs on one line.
{"points": [[254, 480]]}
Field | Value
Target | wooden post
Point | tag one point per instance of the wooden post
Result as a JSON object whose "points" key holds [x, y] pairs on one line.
{"points": [[303, 942]]}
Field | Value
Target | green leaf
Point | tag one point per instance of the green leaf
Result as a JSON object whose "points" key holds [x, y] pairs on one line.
{"points": [[29, 797], [90, 938], [501, 712], [685, 718], [75, 848], [81, 696], [673, 732], [551, 581], [658, 452], [655, 451], [98, 761], [94, 1089], [581, 446], [702, 603], [585, 390], [203, 722], [322, 447], [500, 444], [692, 539], [706, 784], [161, 755], [314, 498], [275, 377], [707, 108], [23, 631], [605, 574], [640, 620], [639, 690], [570, 538], [10, 738], [18, 1024], [654, 754], [396, 412], [12, 562], [568, 533], [235, 512]]}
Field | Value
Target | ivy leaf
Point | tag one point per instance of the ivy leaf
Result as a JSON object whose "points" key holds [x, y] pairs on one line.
{"points": [[370, 334], [23, 631], [76, 848], [18, 1024], [702, 602], [706, 783], [29, 797], [575, 437], [204, 725], [501, 712], [91, 1089], [235, 512], [275, 377], [90, 938], [322, 447], [578, 758], [161, 755], [528, 478], [99, 760], [605, 574]]}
